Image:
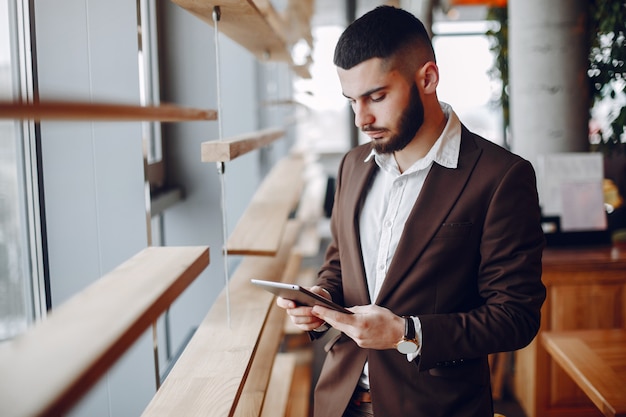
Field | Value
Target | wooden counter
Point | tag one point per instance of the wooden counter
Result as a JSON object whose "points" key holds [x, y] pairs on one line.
{"points": [[596, 362], [586, 289]]}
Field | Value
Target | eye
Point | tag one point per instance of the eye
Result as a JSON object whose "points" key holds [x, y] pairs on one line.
{"points": [[377, 98]]}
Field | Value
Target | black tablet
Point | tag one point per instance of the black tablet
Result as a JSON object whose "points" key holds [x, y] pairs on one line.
{"points": [[298, 294]]}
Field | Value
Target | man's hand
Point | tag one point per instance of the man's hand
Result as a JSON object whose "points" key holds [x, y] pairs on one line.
{"points": [[371, 326], [302, 316]]}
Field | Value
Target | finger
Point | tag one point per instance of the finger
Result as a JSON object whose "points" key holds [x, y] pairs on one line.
{"points": [[336, 319], [285, 303]]}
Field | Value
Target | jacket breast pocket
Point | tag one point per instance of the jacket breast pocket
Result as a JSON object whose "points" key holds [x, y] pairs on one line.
{"points": [[454, 230]]}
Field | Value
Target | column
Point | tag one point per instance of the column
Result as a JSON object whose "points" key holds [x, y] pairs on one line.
{"points": [[548, 80]]}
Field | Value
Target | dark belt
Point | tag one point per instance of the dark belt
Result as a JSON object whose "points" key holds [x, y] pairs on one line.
{"points": [[361, 396]]}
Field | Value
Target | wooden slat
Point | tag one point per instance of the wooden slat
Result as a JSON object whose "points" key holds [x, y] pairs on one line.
{"points": [[253, 394], [259, 230], [253, 24], [300, 394], [228, 149], [47, 369], [591, 358], [254, 390], [78, 111], [208, 378], [278, 390], [302, 71]]}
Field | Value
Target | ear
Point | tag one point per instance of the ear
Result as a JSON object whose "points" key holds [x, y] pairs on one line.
{"points": [[428, 76]]}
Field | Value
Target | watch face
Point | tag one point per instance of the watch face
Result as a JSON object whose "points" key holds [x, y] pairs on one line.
{"points": [[406, 346]]}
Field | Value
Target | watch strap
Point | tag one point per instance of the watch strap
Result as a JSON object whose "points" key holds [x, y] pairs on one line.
{"points": [[409, 328]]}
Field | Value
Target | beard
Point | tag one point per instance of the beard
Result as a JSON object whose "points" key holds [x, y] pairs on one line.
{"points": [[411, 121]]}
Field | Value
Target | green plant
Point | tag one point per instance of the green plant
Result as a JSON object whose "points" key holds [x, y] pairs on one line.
{"points": [[607, 72], [499, 40]]}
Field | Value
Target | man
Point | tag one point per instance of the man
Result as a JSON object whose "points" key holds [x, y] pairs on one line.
{"points": [[436, 242]]}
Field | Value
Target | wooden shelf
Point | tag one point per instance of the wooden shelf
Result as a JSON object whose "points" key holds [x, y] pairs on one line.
{"points": [[259, 230], [210, 375], [253, 394], [85, 111], [253, 24], [229, 149], [45, 371]]}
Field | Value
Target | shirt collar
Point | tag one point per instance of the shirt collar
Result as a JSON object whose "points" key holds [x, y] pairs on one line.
{"points": [[445, 150]]}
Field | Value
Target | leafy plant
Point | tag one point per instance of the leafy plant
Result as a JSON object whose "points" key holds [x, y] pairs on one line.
{"points": [[499, 45], [607, 71]]}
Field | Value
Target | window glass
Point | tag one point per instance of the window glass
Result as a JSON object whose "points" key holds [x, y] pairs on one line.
{"points": [[465, 60], [18, 283]]}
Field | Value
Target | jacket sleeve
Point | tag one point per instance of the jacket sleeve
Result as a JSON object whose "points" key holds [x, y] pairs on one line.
{"points": [[508, 279]]}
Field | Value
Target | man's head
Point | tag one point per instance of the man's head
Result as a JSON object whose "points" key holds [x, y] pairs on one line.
{"points": [[394, 35], [387, 70]]}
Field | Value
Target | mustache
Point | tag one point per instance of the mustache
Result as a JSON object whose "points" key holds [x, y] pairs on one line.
{"points": [[371, 128]]}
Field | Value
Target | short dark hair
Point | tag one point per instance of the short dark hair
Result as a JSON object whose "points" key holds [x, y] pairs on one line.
{"points": [[381, 33]]}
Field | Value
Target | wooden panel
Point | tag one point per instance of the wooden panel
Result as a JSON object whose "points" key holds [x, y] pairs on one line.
{"points": [[585, 290], [580, 307], [254, 390], [596, 361], [586, 306], [259, 230], [253, 24], [228, 149], [300, 394], [275, 404], [208, 378], [101, 112], [580, 261], [48, 369]]}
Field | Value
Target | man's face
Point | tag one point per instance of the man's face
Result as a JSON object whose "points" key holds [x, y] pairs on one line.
{"points": [[386, 106]]}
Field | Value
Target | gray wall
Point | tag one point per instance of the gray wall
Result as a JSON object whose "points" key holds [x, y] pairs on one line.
{"points": [[189, 76], [93, 172]]}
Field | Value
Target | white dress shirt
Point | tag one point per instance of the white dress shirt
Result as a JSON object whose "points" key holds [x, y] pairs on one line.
{"points": [[388, 203]]}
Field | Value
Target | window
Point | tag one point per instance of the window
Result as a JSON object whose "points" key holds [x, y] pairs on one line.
{"points": [[465, 59], [22, 293]]}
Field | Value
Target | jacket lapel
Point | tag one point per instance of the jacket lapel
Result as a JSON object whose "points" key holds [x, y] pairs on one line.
{"points": [[358, 188], [437, 197]]}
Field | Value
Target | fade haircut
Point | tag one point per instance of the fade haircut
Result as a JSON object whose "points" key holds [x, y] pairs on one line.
{"points": [[388, 33]]}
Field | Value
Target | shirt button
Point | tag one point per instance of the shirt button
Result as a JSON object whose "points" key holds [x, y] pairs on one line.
{"points": [[388, 223], [381, 267]]}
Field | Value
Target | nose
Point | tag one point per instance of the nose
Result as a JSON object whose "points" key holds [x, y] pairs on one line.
{"points": [[362, 115]]}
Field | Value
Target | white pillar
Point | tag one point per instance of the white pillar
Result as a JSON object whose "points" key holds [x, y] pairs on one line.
{"points": [[548, 80]]}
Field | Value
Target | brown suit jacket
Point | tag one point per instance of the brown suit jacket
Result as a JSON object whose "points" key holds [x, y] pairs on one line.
{"points": [[468, 265]]}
